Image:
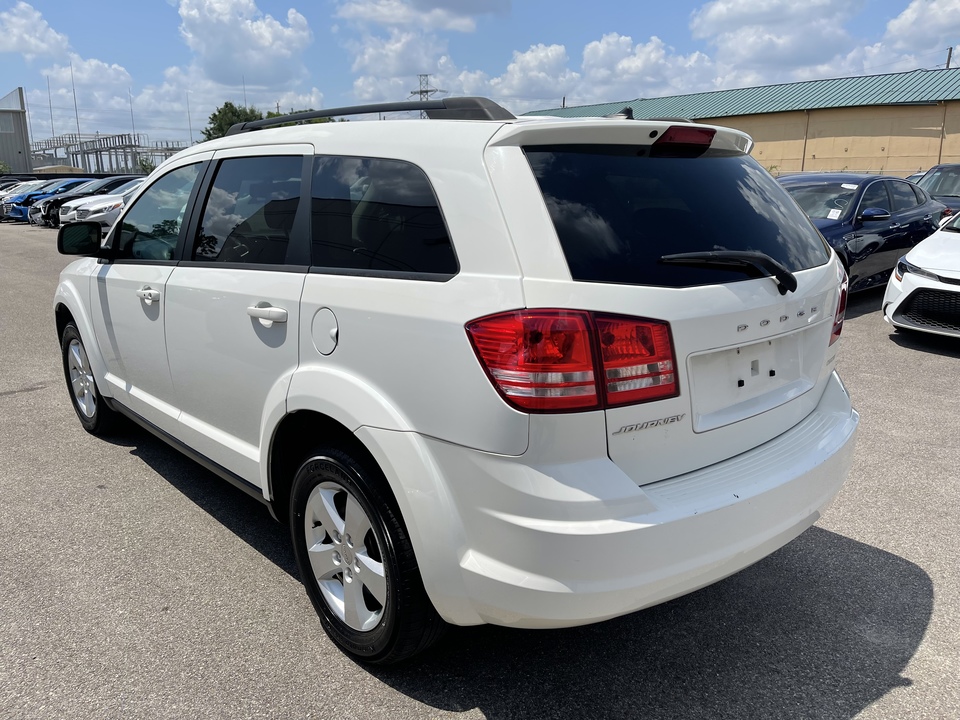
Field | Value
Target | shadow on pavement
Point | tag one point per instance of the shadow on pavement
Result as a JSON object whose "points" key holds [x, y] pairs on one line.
{"points": [[865, 302], [927, 342], [241, 514], [822, 628]]}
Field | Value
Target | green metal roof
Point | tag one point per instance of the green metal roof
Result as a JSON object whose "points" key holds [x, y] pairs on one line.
{"points": [[914, 87]]}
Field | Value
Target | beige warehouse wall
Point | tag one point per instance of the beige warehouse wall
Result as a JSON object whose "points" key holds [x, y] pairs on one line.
{"points": [[895, 140]]}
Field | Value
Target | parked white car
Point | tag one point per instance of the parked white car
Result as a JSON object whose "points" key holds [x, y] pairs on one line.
{"points": [[105, 207], [924, 291], [531, 372]]}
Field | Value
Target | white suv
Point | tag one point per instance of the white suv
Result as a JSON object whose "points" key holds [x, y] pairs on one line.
{"points": [[530, 372]]}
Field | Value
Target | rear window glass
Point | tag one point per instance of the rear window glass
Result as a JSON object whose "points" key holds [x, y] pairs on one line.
{"points": [[617, 211]]}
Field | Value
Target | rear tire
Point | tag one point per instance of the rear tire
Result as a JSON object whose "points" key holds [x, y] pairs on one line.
{"points": [[356, 561], [94, 415]]}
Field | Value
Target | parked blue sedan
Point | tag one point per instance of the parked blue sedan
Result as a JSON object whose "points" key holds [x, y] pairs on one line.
{"points": [[870, 220], [18, 206]]}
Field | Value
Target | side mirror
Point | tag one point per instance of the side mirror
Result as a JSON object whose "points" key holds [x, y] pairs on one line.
{"points": [[874, 214], [80, 238]]}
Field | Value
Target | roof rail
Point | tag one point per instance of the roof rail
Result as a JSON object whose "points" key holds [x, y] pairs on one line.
{"points": [[454, 108]]}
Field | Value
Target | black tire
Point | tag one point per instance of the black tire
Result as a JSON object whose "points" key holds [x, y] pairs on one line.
{"points": [[328, 490], [94, 415]]}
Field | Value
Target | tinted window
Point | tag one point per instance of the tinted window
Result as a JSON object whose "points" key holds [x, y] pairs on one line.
{"points": [[875, 196], [372, 214], [151, 227], [617, 211], [249, 211], [903, 196]]}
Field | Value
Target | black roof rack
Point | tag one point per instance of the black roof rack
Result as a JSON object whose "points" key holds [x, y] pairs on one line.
{"points": [[454, 108]]}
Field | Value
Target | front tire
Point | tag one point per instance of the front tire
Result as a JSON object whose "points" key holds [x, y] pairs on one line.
{"points": [[94, 415], [356, 560]]}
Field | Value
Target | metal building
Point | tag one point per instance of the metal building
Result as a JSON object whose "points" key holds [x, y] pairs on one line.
{"points": [[897, 123], [14, 133]]}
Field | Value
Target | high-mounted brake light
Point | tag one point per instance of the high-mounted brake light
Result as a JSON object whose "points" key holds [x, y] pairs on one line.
{"points": [[684, 135], [551, 360], [681, 141]]}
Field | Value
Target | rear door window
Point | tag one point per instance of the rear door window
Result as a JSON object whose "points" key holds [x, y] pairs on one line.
{"points": [[903, 196], [616, 211], [379, 216]]}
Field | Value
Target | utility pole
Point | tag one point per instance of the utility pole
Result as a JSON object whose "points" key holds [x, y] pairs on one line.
{"points": [[425, 92], [53, 133]]}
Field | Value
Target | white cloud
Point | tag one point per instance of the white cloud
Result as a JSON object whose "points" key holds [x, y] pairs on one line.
{"points": [[923, 25], [23, 30], [614, 68], [398, 13], [768, 41], [403, 53], [450, 15], [235, 43]]}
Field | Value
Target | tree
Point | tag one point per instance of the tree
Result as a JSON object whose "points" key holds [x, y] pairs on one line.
{"points": [[4, 168], [272, 114], [226, 115], [145, 165]]}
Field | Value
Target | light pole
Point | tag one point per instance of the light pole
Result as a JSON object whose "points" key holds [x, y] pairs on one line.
{"points": [[189, 122]]}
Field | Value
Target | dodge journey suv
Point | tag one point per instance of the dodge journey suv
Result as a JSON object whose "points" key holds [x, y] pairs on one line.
{"points": [[530, 372]]}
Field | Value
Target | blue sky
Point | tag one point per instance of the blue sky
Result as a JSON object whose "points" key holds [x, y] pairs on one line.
{"points": [[174, 61]]}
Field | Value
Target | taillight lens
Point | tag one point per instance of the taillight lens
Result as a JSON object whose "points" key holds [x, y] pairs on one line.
{"points": [[637, 359], [841, 309], [551, 360]]}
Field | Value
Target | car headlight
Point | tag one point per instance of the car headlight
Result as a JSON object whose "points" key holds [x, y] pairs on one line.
{"points": [[903, 267], [106, 208]]}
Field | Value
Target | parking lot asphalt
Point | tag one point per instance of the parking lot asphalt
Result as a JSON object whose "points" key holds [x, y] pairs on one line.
{"points": [[134, 584]]}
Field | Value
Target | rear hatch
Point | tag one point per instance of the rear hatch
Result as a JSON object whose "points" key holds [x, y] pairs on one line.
{"points": [[675, 225]]}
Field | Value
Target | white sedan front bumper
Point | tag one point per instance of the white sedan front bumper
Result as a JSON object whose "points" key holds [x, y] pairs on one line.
{"points": [[917, 302]]}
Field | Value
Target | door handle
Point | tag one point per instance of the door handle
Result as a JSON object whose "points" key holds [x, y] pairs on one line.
{"points": [[927, 217], [267, 314], [148, 294], [894, 226]]}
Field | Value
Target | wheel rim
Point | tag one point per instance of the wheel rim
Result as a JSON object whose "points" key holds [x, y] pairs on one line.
{"points": [[345, 556], [81, 379]]}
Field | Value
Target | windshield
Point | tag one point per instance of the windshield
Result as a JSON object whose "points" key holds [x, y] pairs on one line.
{"points": [[825, 201], [942, 181], [617, 212], [127, 187]]}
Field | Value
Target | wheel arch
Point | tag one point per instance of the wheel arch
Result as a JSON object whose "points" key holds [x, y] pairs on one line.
{"points": [[294, 437], [68, 307]]}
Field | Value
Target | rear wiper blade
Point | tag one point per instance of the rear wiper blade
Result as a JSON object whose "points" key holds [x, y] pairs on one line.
{"points": [[756, 264]]}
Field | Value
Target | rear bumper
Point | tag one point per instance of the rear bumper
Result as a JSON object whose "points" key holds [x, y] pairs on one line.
{"points": [[539, 546]]}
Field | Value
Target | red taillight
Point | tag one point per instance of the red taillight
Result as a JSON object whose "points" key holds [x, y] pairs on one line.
{"points": [[545, 360], [637, 359], [841, 310]]}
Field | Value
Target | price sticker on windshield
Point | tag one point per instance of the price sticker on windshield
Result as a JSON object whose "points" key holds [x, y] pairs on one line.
{"points": [[833, 214]]}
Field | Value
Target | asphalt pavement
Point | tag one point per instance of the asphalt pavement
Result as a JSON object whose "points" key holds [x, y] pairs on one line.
{"points": [[135, 584]]}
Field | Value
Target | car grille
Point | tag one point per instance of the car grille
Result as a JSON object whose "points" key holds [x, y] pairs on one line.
{"points": [[7, 207], [931, 310], [81, 214]]}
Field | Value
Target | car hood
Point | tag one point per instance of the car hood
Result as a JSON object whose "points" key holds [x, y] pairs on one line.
{"points": [[101, 201], [940, 252]]}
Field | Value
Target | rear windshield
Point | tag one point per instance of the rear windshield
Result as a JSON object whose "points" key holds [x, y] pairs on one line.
{"points": [[617, 211]]}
